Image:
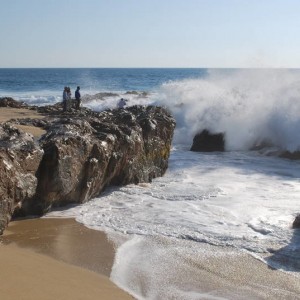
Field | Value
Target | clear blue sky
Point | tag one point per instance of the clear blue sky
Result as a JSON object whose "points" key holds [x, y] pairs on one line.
{"points": [[150, 33]]}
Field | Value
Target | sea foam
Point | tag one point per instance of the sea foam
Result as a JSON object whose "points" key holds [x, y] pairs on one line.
{"points": [[249, 106]]}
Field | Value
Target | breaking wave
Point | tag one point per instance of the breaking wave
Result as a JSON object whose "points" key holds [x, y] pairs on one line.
{"points": [[249, 106]]}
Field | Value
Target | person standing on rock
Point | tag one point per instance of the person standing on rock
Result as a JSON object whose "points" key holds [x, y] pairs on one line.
{"points": [[78, 98], [69, 99], [122, 103], [65, 99]]}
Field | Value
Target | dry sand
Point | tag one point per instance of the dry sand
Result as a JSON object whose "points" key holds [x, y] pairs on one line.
{"points": [[56, 259], [8, 113]]}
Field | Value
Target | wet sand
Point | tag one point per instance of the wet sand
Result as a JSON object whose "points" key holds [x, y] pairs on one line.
{"points": [[164, 268], [53, 258], [56, 259]]}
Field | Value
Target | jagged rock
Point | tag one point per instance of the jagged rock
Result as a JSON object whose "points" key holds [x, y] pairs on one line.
{"points": [[10, 102], [136, 93], [98, 96], [85, 151], [296, 223], [42, 123], [208, 142], [20, 157], [290, 155], [115, 147]]}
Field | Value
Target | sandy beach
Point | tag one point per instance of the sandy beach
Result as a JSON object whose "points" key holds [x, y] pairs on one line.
{"points": [[8, 113], [56, 259]]}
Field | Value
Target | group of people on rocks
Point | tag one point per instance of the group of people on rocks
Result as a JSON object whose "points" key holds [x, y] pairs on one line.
{"points": [[67, 99], [68, 102]]}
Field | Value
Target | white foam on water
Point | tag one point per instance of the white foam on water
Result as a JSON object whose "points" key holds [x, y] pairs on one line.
{"points": [[38, 98], [242, 200], [238, 200], [111, 102]]}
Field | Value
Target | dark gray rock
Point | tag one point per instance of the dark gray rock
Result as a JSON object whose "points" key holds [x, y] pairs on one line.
{"points": [[296, 223], [208, 142], [290, 155], [10, 102]]}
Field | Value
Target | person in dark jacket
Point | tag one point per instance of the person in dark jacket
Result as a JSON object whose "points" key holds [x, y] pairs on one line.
{"points": [[77, 98]]}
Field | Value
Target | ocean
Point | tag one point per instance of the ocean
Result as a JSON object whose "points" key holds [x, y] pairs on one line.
{"points": [[209, 206]]}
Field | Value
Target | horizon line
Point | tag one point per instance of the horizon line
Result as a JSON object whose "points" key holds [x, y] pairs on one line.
{"points": [[149, 67]]}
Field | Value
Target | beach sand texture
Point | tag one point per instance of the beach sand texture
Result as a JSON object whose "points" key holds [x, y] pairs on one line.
{"points": [[56, 259]]}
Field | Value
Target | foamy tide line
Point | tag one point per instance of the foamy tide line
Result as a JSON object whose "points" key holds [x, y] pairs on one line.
{"points": [[38, 98], [251, 208], [94, 100]]}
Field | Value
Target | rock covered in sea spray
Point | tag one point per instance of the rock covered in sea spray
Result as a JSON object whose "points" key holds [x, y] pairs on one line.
{"points": [[20, 157], [83, 153], [296, 223], [208, 142], [10, 102]]}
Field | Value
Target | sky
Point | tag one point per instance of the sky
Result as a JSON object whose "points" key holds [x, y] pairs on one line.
{"points": [[150, 33]]}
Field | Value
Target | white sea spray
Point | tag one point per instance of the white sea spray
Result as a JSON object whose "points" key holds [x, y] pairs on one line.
{"points": [[249, 106]]}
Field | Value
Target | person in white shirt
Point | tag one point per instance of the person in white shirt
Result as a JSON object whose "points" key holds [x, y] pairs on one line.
{"points": [[122, 103]]}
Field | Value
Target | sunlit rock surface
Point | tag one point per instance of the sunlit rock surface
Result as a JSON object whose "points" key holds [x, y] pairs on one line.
{"points": [[81, 153], [20, 157]]}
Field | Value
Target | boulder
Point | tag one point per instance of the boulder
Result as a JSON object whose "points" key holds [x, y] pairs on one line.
{"points": [[85, 151], [208, 142], [10, 102], [290, 155], [296, 223], [20, 157]]}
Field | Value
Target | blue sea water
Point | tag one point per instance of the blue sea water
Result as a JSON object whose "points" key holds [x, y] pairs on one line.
{"points": [[238, 201], [105, 79]]}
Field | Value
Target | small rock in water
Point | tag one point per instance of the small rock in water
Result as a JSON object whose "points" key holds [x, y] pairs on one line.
{"points": [[296, 223], [208, 142]]}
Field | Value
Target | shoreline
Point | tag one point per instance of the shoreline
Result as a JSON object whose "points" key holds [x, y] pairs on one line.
{"points": [[56, 259]]}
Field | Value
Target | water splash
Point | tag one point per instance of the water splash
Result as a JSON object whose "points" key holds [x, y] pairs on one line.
{"points": [[249, 106]]}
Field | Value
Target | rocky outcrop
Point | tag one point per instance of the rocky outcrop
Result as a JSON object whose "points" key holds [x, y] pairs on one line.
{"points": [[20, 157], [290, 155], [208, 142], [10, 102], [296, 223], [83, 152]]}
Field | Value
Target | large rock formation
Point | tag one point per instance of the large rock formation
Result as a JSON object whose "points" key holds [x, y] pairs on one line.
{"points": [[208, 142], [20, 157], [81, 153]]}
